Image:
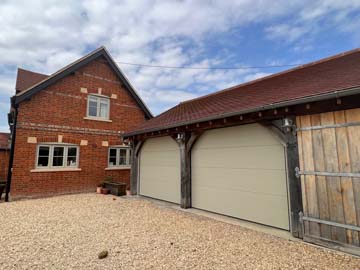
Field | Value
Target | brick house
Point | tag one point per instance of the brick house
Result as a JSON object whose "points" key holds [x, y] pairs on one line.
{"points": [[4, 155], [67, 127]]}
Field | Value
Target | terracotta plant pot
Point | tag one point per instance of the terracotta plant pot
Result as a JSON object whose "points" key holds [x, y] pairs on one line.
{"points": [[98, 190], [105, 191]]}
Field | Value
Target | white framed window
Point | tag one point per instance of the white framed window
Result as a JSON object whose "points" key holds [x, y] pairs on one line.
{"points": [[56, 156], [119, 157], [98, 107]]}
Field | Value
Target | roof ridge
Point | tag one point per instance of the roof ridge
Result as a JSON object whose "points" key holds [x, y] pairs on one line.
{"points": [[316, 62], [62, 69]]}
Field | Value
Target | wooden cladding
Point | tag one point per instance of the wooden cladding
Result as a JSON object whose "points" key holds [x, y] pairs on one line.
{"points": [[329, 144]]}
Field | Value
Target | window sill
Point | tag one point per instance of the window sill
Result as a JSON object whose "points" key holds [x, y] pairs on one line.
{"points": [[57, 170], [118, 168], [97, 119]]}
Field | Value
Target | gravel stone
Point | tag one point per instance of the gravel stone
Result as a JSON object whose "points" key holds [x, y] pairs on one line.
{"points": [[67, 232]]}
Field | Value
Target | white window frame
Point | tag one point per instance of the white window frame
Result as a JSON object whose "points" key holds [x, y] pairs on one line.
{"points": [[99, 100], [51, 155], [128, 157]]}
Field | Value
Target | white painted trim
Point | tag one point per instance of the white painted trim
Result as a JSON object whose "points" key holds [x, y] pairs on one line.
{"points": [[99, 100], [98, 95], [118, 168], [117, 148], [97, 119], [56, 170], [50, 160]]}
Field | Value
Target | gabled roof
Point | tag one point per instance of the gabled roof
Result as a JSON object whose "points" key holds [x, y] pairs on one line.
{"points": [[26, 78], [49, 80], [4, 140], [339, 74]]}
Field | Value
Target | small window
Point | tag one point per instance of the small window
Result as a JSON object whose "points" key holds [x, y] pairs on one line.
{"points": [[57, 156], [119, 157], [98, 107]]}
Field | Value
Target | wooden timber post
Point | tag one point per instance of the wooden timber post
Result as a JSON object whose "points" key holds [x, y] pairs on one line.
{"points": [[292, 160], [185, 142], [134, 174], [287, 134]]}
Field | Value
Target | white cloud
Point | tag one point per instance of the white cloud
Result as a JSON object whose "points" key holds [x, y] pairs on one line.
{"points": [[46, 35], [315, 16]]}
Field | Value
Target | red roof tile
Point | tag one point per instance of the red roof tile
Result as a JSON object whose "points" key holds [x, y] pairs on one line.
{"points": [[4, 140], [331, 74], [26, 78]]}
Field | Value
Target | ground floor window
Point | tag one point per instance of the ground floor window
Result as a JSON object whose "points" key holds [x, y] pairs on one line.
{"points": [[57, 156], [119, 156]]}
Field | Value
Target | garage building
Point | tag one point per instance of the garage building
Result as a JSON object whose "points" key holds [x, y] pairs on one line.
{"points": [[282, 151]]}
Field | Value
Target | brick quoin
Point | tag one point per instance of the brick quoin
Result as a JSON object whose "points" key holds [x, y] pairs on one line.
{"points": [[60, 109]]}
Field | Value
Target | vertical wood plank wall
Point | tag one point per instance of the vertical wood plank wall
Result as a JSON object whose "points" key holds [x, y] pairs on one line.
{"points": [[332, 149]]}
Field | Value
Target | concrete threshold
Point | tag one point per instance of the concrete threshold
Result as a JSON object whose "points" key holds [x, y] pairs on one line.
{"points": [[238, 222], [226, 219]]}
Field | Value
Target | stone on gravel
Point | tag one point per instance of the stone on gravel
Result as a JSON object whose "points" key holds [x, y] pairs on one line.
{"points": [[103, 254]]}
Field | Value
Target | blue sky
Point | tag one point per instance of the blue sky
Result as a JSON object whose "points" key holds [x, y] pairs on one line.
{"points": [[174, 33]]}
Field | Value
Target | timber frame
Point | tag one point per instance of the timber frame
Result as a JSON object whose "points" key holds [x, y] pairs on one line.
{"points": [[187, 134], [287, 136], [186, 142]]}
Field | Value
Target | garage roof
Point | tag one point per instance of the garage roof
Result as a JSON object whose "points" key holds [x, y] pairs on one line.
{"points": [[333, 74]]}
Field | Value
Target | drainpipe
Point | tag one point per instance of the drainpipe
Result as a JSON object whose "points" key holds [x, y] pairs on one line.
{"points": [[11, 158]]}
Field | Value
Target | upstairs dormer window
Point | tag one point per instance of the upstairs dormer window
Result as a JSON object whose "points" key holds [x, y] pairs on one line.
{"points": [[98, 107]]}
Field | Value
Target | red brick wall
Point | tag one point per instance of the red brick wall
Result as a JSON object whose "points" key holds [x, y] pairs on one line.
{"points": [[60, 110], [4, 164]]}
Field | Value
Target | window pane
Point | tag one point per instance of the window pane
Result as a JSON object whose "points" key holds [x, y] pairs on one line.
{"points": [[122, 157], [57, 161], [93, 99], [72, 151], [44, 150], [43, 161], [58, 151], [112, 157], [71, 161], [58, 156], [112, 161], [43, 156], [92, 108], [130, 157], [71, 157], [104, 108]]}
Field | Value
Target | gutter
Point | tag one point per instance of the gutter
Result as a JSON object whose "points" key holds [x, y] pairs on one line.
{"points": [[321, 97], [12, 150]]}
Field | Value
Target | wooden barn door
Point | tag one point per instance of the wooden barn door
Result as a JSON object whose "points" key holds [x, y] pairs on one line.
{"points": [[329, 153]]}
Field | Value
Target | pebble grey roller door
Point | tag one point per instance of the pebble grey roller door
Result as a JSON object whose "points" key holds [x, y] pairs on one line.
{"points": [[240, 172], [160, 169]]}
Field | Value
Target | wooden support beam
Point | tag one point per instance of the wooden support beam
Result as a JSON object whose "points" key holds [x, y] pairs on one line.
{"points": [[287, 136], [134, 174], [292, 160], [185, 142]]}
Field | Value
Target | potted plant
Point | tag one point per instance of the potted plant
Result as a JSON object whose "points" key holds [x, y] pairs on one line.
{"points": [[105, 191], [99, 187]]}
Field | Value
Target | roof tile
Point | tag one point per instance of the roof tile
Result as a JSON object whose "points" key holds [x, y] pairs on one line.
{"points": [[26, 78], [324, 76]]}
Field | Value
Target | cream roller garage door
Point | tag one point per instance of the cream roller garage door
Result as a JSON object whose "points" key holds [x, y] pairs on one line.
{"points": [[160, 169], [240, 172]]}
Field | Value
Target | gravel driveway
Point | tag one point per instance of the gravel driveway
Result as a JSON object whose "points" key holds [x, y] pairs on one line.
{"points": [[68, 232]]}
